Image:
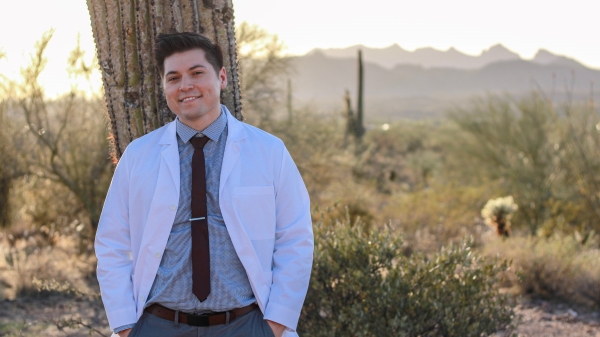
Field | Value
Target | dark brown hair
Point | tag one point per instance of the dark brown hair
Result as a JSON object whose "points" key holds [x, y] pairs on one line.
{"points": [[169, 44]]}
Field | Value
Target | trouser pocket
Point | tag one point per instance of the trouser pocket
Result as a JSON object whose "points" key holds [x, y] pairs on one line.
{"points": [[136, 327], [270, 332]]}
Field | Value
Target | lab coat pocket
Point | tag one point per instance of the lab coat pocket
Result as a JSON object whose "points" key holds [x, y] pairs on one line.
{"points": [[255, 207]]}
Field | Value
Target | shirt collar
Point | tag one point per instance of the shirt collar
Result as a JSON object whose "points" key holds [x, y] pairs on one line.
{"points": [[213, 131]]}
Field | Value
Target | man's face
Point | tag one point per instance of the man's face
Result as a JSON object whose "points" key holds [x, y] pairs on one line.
{"points": [[192, 88]]}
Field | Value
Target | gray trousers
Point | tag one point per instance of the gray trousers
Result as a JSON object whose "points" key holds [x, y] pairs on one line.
{"points": [[251, 324]]}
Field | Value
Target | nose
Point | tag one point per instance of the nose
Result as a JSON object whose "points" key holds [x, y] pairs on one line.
{"points": [[185, 84]]}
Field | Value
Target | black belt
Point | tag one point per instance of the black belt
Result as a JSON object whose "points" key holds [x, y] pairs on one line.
{"points": [[208, 319]]}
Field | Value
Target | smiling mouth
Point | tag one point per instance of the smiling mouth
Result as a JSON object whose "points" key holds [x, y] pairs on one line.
{"points": [[187, 99]]}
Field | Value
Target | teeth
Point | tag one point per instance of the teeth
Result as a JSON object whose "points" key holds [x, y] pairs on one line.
{"points": [[188, 99]]}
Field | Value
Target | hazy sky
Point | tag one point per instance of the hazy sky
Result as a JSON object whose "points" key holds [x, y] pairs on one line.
{"points": [[567, 28]]}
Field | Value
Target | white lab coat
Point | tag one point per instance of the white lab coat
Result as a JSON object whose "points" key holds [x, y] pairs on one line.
{"points": [[264, 204]]}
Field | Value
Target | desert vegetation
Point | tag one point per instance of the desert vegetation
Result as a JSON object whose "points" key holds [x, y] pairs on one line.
{"points": [[423, 228]]}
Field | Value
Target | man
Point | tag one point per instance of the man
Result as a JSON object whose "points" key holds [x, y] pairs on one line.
{"points": [[188, 250]]}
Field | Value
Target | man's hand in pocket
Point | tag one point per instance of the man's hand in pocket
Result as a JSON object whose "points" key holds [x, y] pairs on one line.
{"points": [[124, 333], [277, 328]]}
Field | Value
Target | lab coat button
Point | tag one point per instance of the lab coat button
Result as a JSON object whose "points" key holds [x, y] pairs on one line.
{"points": [[172, 207], [156, 255]]}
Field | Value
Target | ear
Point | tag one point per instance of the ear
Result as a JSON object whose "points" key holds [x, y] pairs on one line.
{"points": [[223, 78]]}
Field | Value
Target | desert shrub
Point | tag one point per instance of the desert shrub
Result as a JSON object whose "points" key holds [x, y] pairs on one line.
{"points": [[442, 213], [48, 240], [363, 285], [34, 275], [587, 278], [513, 140], [65, 140], [40, 213], [316, 143], [543, 154], [11, 164], [405, 156], [25, 256], [562, 267]]}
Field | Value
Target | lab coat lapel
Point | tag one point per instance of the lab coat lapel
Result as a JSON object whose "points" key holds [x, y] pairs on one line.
{"points": [[161, 214], [233, 147], [170, 155]]}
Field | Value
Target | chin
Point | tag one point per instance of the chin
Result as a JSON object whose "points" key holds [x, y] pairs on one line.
{"points": [[193, 112]]}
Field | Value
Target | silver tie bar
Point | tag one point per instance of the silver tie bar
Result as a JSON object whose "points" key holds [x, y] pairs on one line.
{"points": [[200, 218]]}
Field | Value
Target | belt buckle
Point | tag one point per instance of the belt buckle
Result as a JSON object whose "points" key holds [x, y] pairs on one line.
{"points": [[197, 319]]}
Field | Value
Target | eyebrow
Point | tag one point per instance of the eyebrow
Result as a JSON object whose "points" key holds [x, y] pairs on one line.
{"points": [[192, 67]]}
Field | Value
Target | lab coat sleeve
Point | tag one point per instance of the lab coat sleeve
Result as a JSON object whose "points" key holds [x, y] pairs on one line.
{"points": [[294, 243], [113, 250]]}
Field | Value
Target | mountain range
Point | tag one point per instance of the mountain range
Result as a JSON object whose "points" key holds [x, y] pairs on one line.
{"points": [[427, 82], [433, 58]]}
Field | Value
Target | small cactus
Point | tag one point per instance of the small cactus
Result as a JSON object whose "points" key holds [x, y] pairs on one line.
{"points": [[497, 213]]}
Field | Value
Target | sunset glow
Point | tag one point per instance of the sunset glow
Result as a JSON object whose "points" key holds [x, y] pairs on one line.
{"points": [[467, 25]]}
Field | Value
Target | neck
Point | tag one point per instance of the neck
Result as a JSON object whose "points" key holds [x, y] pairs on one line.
{"points": [[203, 121]]}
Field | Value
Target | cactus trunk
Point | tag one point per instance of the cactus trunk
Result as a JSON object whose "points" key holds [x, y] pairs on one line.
{"points": [[359, 126], [349, 117], [124, 33]]}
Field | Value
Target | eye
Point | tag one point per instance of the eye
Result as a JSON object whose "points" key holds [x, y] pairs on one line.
{"points": [[198, 72], [172, 78]]}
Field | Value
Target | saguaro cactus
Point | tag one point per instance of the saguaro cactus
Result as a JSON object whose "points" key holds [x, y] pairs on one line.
{"points": [[349, 117], [354, 123], [359, 128], [124, 31]]}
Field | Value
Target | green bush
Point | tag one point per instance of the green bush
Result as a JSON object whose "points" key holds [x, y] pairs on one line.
{"points": [[544, 155], [363, 285]]}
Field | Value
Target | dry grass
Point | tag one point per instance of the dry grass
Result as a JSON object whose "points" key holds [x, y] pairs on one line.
{"points": [[30, 261], [559, 267], [47, 286]]}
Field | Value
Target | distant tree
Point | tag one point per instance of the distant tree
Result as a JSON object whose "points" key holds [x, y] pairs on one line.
{"points": [[124, 32], [580, 135], [10, 165], [547, 159], [263, 69], [514, 141], [70, 134]]}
